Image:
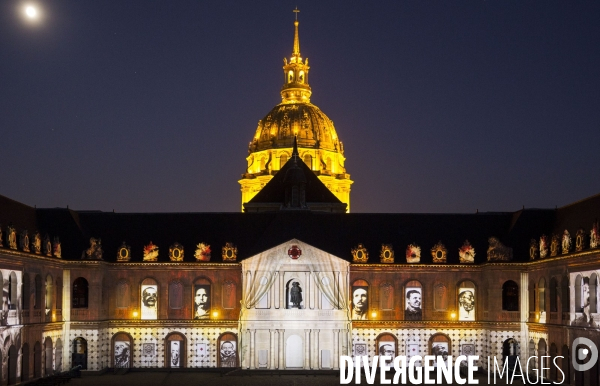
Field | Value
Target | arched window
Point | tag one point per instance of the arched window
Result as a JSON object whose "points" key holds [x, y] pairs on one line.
{"points": [[308, 160], [13, 359], [26, 296], [532, 353], [123, 294], [149, 299], [290, 76], [229, 295], [532, 303], [542, 353], [296, 293], [566, 364], [301, 77], [227, 349], [175, 351], [122, 349], [49, 366], [58, 355], [49, 292], [386, 296], [25, 362], [80, 293], [37, 360], [360, 300], [542, 294], [565, 296], [440, 345], [510, 296], [175, 295], [59, 293], [466, 301], [79, 356], [593, 293], [553, 354], [38, 293], [578, 303], [553, 295], [413, 301], [282, 160], [387, 345], [13, 290], [202, 299], [440, 297]]}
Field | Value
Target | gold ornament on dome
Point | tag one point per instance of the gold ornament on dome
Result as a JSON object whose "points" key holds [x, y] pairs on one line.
{"points": [[533, 249], [413, 254], [202, 252], [25, 241], [466, 253], [124, 252], [176, 252], [566, 242], [387, 253], [554, 245], [439, 252], [150, 252], [229, 252], [360, 254], [579, 240]]}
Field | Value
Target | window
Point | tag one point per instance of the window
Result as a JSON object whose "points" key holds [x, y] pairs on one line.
{"points": [[553, 295], [413, 300], [282, 160], [308, 160], [542, 295], [202, 299], [80, 293], [467, 301], [532, 302], [386, 296], [440, 297], [149, 299], [510, 296], [565, 296], [13, 290], [229, 295], [578, 304], [49, 292], [59, 293], [360, 300], [123, 294], [38, 293], [593, 294], [175, 350], [26, 292], [175, 295]]}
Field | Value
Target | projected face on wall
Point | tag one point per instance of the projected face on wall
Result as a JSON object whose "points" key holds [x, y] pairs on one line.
{"points": [[149, 302], [175, 353], [360, 303], [387, 349], [440, 349], [202, 301], [228, 357], [121, 354], [413, 304], [466, 304]]}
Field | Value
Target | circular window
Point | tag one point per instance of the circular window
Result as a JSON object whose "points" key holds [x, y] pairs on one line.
{"points": [[387, 254], [359, 254], [229, 253], [579, 242], [439, 254], [176, 253]]}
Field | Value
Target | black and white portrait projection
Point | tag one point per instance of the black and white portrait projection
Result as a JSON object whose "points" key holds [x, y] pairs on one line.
{"points": [[175, 353], [228, 353], [387, 349], [466, 303], [149, 302], [201, 301], [360, 303], [585, 298], [439, 349], [122, 355], [412, 311]]}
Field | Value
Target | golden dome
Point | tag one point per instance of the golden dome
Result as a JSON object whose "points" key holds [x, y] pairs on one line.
{"points": [[304, 120]]}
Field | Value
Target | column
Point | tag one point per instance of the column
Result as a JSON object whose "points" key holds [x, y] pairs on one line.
{"points": [[317, 350], [309, 295], [252, 349], [271, 361], [336, 349], [524, 302], [280, 353], [306, 349]]}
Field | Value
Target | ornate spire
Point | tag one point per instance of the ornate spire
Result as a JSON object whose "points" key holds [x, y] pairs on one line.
{"points": [[296, 88]]}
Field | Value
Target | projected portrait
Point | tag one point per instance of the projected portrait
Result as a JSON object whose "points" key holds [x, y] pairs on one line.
{"points": [[439, 349], [149, 302], [175, 353], [387, 349], [360, 303], [413, 304], [466, 304], [201, 301], [121, 354], [227, 352]]}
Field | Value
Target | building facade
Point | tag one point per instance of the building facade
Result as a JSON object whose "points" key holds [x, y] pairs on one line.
{"points": [[295, 282]]}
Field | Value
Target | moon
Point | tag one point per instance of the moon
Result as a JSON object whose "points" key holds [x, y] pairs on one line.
{"points": [[31, 12]]}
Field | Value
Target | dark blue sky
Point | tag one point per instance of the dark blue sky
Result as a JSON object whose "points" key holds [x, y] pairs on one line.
{"points": [[443, 106]]}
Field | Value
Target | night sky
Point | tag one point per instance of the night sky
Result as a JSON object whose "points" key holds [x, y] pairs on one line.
{"points": [[443, 106]]}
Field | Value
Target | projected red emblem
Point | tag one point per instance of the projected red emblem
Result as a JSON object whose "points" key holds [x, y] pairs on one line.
{"points": [[294, 252]]}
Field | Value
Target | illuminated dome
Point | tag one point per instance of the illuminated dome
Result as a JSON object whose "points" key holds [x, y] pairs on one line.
{"points": [[318, 143], [304, 120]]}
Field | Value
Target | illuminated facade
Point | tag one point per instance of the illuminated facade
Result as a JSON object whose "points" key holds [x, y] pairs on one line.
{"points": [[318, 143], [295, 281]]}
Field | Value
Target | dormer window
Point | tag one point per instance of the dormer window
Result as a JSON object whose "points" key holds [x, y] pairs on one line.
{"points": [[301, 77], [290, 76]]}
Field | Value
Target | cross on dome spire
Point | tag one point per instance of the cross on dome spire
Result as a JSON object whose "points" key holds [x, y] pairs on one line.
{"points": [[296, 52], [296, 88]]}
